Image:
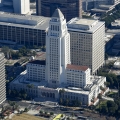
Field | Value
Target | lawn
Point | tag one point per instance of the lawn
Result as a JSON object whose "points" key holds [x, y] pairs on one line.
{"points": [[26, 117]]}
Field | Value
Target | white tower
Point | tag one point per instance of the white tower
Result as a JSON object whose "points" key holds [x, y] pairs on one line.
{"points": [[57, 50], [21, 6]]}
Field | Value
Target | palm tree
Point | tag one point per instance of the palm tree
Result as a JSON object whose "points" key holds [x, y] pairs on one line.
{"points": [[25, 96], [61, 92], [67, 102], [61, 101]]}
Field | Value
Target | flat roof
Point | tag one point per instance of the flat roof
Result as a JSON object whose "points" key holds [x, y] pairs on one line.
{"points": [[77, 67], [40, 62], [25, 21], [84, 25], [22, 80], [85, 21]]}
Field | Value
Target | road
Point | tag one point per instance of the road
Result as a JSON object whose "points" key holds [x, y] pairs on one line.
{"points": [[62, 110], [114, 90], [107, 98], [113, 31]]}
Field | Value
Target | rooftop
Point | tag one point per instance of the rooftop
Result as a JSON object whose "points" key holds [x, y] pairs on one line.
{"points": [[21, 80], [26, 21], [84, 21], [84, 25], [77, 67], [57, 14], [40, 62]]}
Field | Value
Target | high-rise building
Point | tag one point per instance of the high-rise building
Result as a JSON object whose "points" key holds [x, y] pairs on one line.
{"points": [[87, 39], [21, 6], [57, 49], [15, 6], [2, 79], [70, 8]]}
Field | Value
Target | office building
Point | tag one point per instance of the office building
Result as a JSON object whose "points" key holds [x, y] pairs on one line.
{"points": [[70, 8], [99, 6], [25, 30], [87, 40], [36, 70], [2, 79], [58, 71], [15, 6]]}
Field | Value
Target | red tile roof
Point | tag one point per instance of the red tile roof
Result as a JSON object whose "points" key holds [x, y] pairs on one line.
{"points": [[77, 67]]}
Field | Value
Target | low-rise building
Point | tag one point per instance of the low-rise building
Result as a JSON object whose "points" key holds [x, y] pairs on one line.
{"points": [[36, 70], [25, 30]]}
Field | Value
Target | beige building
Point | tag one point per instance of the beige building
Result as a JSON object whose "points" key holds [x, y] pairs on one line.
{"points": [[2, 79], [87, 42]]}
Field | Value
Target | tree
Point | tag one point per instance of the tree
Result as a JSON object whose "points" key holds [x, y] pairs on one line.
{"points": [[112, 107], [67, 102], [111, 110], [26, 110], [110, 80], [106, 56], [30, 85], [41, 112], [2, 108], [104, 109], [6, 51], [61, 101], [99, 97], [61, 115], [61, 92], [45, 113], [34, 53], [106, 84], [17, 64], [25, 96], [51, 113], [9, 92]]}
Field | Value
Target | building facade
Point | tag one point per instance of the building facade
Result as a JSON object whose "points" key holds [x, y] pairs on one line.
{"points": [[23, 29], [58, 71], [87, 39], [2, 79], [57, 49], [70, 8], [21, 6], [90, 4], [36, 70], [77, 76]]}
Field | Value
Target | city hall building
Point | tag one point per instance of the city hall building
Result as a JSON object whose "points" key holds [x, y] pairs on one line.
{"points": [[48, 77]]}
